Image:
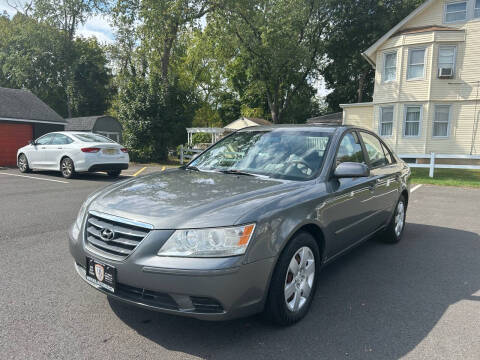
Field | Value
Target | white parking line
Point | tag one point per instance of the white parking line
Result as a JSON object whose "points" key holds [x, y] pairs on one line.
{"points": [[36, 178], [416, 188]]}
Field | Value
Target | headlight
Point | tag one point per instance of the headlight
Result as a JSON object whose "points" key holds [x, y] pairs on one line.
{"points": [[217, 242]]}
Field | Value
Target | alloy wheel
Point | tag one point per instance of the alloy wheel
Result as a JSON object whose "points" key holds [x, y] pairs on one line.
{"points": [[67, 167], [299, 279], [22, 162], [399, 218]]}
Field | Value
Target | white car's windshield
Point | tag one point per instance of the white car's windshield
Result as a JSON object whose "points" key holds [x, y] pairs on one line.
{"points": [[92, 138], [287, 154]]}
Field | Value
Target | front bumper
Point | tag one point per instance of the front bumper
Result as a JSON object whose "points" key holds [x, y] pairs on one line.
{"points": [[207, 289]]}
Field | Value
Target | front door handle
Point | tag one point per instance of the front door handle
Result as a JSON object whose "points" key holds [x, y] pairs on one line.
{"points": [[60, 148], [43, 147]]}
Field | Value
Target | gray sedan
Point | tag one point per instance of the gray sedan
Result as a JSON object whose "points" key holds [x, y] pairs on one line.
{"points": [[246, 226]]}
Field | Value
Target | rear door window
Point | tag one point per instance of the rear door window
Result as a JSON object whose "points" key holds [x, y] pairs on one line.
{"points": [[374, 150], [61, 139]]}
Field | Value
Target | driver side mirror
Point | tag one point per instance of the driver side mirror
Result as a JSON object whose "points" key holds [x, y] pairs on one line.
{"points": [[351, 170], [32, 142]]}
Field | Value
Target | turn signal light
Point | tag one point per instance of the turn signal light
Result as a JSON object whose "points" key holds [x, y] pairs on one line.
{"points": [[124, 150], [90, 150]]}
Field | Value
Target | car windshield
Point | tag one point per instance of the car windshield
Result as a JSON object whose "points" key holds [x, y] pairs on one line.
{"points": [[92, 138], [285, 154]]}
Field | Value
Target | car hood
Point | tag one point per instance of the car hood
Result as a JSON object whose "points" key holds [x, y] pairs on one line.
{"points": [[179, 198]]}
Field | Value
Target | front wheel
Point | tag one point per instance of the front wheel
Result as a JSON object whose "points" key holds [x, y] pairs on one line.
{"points": [[114, 173], [393, 233], [23, 164], [67, 168], [294, 281]]}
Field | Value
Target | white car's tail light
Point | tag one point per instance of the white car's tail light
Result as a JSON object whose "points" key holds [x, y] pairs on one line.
{"points": [[90, 150], [124, 150]]}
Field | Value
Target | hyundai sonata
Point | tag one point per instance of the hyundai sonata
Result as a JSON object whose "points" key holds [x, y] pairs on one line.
{"points": [[246, 226]]}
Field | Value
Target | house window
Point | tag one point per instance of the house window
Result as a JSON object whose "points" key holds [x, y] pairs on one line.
{"points": [[390, 66], [386, 121], [416, 64], [446, 57], [477, 9], [413, 115], [441, 122], [456, 11]]}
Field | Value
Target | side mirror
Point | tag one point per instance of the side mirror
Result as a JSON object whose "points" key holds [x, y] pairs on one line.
{"points": [[351, 170], [32, 142]]}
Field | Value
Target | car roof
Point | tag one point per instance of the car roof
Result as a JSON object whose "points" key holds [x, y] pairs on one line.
{"points": [[300, 127], [72, 132]]}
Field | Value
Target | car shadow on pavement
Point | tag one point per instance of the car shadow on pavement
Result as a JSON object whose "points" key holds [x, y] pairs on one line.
{"points": [[378, 302], [95, 176]]}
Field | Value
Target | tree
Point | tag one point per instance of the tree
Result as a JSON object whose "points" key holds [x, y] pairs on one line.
{"points": [[66, 16], [277, 42], [29, 58], [355, 25]]}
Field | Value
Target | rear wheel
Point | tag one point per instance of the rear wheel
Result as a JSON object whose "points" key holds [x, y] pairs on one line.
{"points": [[23, 164], [67, 168], [393, 233], [114, 173], [294, 281]]}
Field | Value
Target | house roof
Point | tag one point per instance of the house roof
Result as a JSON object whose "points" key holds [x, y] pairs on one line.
{"points": [[332, 118], [368, 54], [244, 122], [423, 29], [85, 123], [16, 104]]}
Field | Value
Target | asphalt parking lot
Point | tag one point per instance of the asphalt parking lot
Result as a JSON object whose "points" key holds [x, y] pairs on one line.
{"points": [[419, 299]]}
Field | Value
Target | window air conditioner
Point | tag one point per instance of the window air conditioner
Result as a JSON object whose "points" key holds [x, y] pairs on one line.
{"points": [[445, 73]]}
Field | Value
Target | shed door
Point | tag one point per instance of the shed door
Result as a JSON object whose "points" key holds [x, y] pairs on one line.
{"points": [[13, 137]]}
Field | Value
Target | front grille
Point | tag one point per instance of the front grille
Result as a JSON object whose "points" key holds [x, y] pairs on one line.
{"points": [[126, 235]]}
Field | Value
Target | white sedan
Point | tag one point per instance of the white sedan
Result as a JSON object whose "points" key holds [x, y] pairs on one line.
{"points": [[72, 152]]}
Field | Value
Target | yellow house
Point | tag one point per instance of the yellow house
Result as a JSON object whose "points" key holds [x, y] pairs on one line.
{"points": [[427, 81]]}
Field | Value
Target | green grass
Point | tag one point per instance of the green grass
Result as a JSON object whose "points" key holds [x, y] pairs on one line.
{"points": [[447, 177]]}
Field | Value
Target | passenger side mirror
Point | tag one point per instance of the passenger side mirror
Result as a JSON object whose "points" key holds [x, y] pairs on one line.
{"points": [[351, 170]]}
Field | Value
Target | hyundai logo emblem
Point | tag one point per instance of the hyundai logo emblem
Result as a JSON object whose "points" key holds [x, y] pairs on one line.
{"points": [[107, 234]]}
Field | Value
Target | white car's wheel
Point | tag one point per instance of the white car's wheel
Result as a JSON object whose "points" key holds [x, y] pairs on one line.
{"points": [[67, 168], [23, 164]]}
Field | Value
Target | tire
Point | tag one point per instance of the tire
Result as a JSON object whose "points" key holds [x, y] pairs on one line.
{"points": [[114, 173], [67, 167], [282, 306], [23, 164], [394, 232]]}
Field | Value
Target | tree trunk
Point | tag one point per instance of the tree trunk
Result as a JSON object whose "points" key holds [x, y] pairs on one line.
{"points": [[361, 85]]}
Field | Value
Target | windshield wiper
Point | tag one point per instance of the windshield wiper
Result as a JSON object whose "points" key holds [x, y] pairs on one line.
{"points": [[194, 168], [236, 172]]}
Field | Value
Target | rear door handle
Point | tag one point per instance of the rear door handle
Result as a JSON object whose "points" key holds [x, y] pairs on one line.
{"points": [[43, 147], [59, 148]]}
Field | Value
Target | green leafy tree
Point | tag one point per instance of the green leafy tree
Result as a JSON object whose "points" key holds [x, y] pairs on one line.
{"points": [[353, 26], [29, 58], [278, 43]]}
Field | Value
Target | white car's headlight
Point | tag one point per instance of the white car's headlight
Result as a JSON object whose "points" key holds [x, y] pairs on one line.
{"points": [[215, 242]]}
